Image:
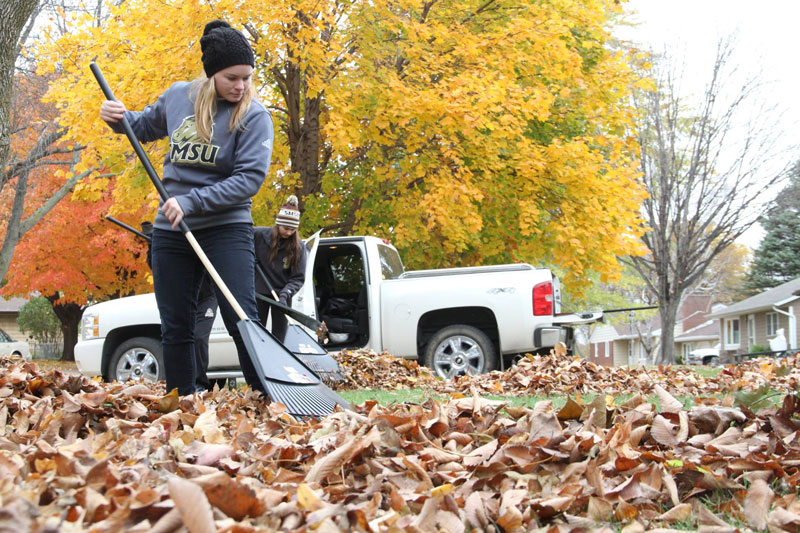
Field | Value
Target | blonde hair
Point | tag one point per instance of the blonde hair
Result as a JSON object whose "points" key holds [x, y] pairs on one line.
{"points": [[204, 93]]}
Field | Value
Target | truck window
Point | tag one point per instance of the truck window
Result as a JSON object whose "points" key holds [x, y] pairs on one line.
{"points": [[391, 265], [348, 272]]}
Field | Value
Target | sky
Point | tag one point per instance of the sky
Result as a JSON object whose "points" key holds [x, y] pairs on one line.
{"points": [[767, 44]]}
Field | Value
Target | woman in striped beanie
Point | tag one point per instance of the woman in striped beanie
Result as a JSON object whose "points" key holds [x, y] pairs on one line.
{"points": [[281, 256]]}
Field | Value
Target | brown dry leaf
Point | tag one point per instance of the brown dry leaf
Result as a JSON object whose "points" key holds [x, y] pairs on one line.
{"points": [[707, 518], [307, 498], [330, 462], [193, 505], [668, 402], [599, 510], [571, 410], [625, 511], [169, 402], [663, 432], [510, 520], [757, 502], [207, 428], [475, 511], [784, 520], [234, 498], [169, 522], [678, 513]]}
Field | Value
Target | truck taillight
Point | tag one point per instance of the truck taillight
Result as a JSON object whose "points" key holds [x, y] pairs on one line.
{"points": [[543, 299]]}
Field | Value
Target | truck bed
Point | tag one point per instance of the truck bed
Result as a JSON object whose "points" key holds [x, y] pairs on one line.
{"points": [[466, 270]]}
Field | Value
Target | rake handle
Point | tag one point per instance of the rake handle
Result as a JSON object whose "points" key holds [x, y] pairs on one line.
{"points": [[162, 191]]}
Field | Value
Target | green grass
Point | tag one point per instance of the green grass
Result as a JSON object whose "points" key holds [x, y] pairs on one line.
{"points": [[388, 397], [705, 371]]}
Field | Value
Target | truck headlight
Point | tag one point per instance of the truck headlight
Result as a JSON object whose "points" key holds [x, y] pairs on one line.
{"points": [[90, 326]]}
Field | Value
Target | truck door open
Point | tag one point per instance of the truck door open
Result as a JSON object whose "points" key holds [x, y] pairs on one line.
{"points": [[305, 299], [340, 284]]}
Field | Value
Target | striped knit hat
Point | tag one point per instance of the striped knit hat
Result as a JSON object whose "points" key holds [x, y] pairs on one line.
{"points": [[289, 214]]}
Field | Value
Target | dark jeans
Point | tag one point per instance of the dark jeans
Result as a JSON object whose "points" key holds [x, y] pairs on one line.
{"points": [[206, 313], [177, 274], [279, 321]]}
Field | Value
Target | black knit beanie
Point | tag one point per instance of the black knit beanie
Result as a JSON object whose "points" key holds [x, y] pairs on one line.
{"points": [[224, 47]]}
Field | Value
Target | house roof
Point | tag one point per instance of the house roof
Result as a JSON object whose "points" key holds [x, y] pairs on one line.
{"points": [[12, 305], [603, 333], [695, 304], [782, 294], [708, 330]]}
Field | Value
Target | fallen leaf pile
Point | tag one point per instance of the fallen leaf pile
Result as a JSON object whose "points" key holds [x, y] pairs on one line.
{"points": [[366, 369], [552, 374], [78, 455]]}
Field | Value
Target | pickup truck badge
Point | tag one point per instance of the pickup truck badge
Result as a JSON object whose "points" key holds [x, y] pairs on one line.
{"points": [[500, 290]]}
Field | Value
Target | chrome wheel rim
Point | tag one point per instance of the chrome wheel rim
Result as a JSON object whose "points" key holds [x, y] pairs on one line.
{"points": [[456, 356], [137, 364]]}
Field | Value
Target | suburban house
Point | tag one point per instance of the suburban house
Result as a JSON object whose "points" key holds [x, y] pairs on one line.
{"points": [[9, 311], [755, 321], [695, 329], [618, 345], [623, 344]]}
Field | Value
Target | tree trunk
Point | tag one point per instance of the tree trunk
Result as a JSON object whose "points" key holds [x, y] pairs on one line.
{"points": [[70, 316], [669, 315], [14, 14]]}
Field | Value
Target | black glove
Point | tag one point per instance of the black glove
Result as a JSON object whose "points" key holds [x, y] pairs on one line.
{"points": [[284, 298]]}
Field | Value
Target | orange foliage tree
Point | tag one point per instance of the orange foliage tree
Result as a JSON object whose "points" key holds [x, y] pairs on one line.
{"points": [[74, 257]]}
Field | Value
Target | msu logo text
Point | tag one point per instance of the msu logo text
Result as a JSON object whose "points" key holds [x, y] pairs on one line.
{"points": [[187, 147]]}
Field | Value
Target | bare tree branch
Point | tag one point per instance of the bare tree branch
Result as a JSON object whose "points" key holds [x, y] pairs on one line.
{"points": [[704, 168]]}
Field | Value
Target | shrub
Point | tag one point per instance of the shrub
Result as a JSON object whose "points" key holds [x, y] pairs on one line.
{"points": [[758, 348], [38, 320]]}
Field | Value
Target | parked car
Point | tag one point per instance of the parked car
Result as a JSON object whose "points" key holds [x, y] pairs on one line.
{"points": [[9, 346], [455, 320], [703, 356]]}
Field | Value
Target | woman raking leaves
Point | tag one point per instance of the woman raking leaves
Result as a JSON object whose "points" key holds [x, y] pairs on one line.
{"points": [[220, 144]]}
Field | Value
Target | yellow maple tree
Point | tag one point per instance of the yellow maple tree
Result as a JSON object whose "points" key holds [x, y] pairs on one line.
{"points": [[471, 131]]}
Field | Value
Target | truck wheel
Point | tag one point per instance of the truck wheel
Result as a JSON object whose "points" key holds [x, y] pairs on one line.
{"points": [[138, 358], [713, 361], [458, 350]]}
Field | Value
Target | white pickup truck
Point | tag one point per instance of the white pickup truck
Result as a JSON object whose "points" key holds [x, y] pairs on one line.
{"points": [[455, 320]]}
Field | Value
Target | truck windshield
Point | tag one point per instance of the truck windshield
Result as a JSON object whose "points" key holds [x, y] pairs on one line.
{"points": [[391, 265]]}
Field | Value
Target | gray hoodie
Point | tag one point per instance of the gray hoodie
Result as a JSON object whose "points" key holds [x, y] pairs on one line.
{"points": [[213, 183]]}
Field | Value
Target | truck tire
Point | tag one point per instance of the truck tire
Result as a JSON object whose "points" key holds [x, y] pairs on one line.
{"points": [[460, 349], [138, 358]]}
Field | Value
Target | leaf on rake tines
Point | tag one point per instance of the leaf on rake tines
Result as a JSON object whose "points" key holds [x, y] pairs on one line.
{"points": [[193, 505], [756, 504], [668, 402]]}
